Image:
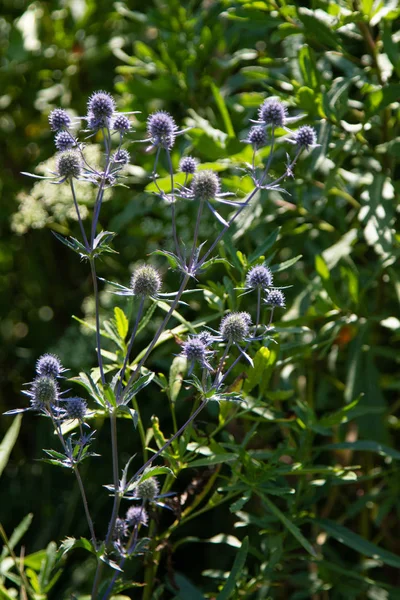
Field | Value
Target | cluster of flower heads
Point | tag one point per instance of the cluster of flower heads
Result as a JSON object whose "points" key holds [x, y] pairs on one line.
{"points": [[101, 115], [260, 278], [44, 392]]}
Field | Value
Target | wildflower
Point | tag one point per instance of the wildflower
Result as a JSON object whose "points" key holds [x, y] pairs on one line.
{"points": [[275, 298], [195, 350], [257, 137], [75, 408], [146, 281], [188, 165], [59, 119], [259, 276], [162, 129], [121, 156], [101, 105], [120, 529], [305, 137], [148, 489], [136, 515], [44, 392], [122, 124], [49, 365], [272, 112], [235, 326], [64, 141], [69, 164], [205, 185]]}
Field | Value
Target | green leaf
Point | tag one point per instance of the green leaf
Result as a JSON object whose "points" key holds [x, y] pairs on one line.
{"points": [[186, 589], [132, 414], [269, 242], [8, 442], [136, 387], [286, 264], [176, 375], [357, 543], [294, 530], [220, 102], [121, 322], [236, 572], [364, 446]]}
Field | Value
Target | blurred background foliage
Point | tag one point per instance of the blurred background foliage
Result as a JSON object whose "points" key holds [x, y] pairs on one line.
{"points": [[210, 64]]}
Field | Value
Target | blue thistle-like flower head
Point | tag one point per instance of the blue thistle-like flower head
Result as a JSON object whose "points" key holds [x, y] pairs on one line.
{"points": [[64, 141], [272, 112], [235, 326], [188, 165], [305, 137], [162, 129], [49, 365], [75, 408], [259, 276], [148, 489], [69, 164], [136, 515], [205, 185], [120, 529], [121, 156], [257, 137], [44, 392], [146, 281], [275, 298], [59, 119], [101, 105], [121, 123]]}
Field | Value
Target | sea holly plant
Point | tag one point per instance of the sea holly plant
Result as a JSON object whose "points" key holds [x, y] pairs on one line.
{"points": [[209, 354]]}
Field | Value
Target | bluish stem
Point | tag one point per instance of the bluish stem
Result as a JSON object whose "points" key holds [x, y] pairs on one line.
{"points": [[84, 238], [171, 173], [195, 236], [98, 342]]}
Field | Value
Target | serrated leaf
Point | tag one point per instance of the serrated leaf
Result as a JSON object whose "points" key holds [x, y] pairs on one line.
{"points": [[121, 322]]}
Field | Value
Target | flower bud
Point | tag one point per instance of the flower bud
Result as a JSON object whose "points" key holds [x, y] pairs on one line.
{"points": [[69, 164], [59, 119], [161, 129], [275, 298], [188, 165], [49, 365], [259, 277], [136, 515], [121, 156], [121, 123], [205, 185], [75, 408], [272, 112], [257, 136], [148, 489], [64, 141], [44, 391], [235, 326], [146, 281], [305, 136]]}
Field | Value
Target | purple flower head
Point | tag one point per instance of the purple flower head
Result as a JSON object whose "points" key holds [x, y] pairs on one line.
{"points": [[49, 365], [101, 105], [162, 129], [136, 515], [121, 123], [64, 141], [259, 276], [121, 156], [44, 392], [59, 119], [272, 112], [275, 298], [305, 137], [188, 165], [75, 408], [257, 136]]}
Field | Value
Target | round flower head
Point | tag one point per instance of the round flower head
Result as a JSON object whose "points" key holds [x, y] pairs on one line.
{"points": [[194, 349], [272, 112], [49, 365], [75, 408], [59, 119], [44, 391], [161, 129], [275, 298], [101, 105], [259, 277], [121, 156], [146, 281], [257, 136], [121, 123], [136, 515], [188, 165], [69, 164], [148, 489], [120, 529], [235, 326], [64, 141], [205, 185], [305, 136], [205, 337]]}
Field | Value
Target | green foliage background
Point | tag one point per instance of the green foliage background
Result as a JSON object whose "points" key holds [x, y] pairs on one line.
{"points": [[210, 64]]}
